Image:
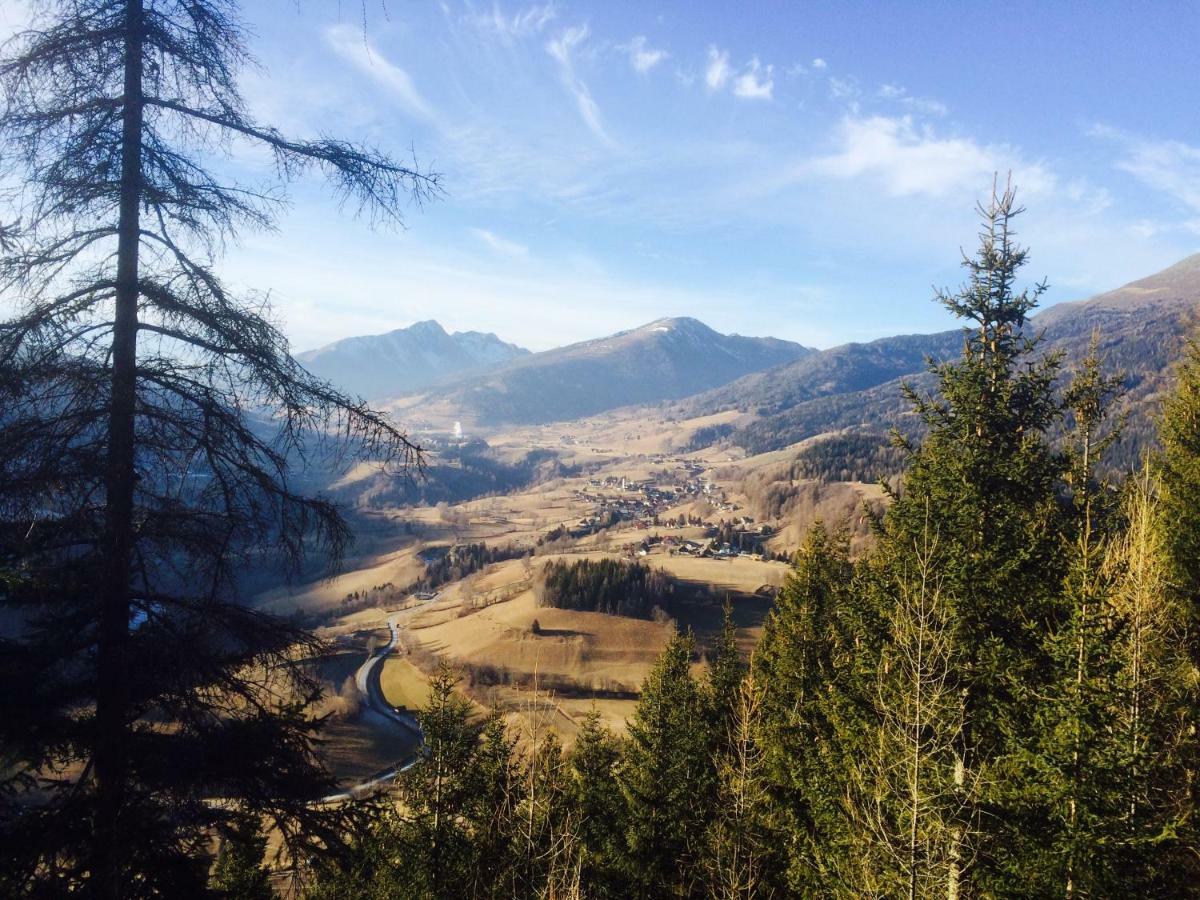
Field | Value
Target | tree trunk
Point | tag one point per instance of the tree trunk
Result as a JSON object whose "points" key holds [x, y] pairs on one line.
{"points": [[112, 689]]}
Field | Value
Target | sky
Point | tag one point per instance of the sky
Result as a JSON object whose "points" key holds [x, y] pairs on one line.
{"points": [[799, 169]]}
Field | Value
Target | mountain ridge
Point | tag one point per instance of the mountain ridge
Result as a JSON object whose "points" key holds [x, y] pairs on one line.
{"points": [[405, 359], [1140, 326], [667, 358]]}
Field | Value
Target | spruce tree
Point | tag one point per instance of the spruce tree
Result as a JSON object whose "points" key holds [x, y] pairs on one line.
{"points": [[492, 803], [1073, 756], [432, 836], [988, 478], [814, 666], [1180, 465], [725, 672], [238, 873], [666, 777], [597, 809]]}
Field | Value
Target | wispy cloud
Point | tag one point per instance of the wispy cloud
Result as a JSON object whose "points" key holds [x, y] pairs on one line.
{"points": [[562, 49], [510, 27], [1170, 167], [819, 63], [897, 94], [642, 57], [717, 73], [755, 83], [500, 245], [352, 45]]}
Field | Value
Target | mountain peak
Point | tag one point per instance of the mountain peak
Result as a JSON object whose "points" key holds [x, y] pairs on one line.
{"points": [[407, 359], [424, 327]]}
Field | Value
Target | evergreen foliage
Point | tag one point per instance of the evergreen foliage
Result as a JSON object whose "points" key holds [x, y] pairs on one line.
{"points": [[988, 479], [666, 777], [595, 799], [608, 586], [813, 667], [239, 873]]}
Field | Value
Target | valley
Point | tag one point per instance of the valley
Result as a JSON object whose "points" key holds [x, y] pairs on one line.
{"points": [[636, 497], [715, 490]]}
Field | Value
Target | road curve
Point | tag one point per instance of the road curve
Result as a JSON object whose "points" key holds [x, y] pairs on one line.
{"points": [[367, 679]]}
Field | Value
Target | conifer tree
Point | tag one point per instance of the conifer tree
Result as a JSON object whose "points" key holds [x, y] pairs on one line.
{"points": [[239, 873], [492, 803], [1152, 843], [740, 840], [1074, 755], [1180, 464], [547, 852], [814, 665], [910, 792], [666, 777], [432, 835], [598, 808], [988, 478], [136, 475], [725, 672]]}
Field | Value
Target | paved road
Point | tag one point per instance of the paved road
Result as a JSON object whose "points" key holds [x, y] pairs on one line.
{"points": [[367, 680]]}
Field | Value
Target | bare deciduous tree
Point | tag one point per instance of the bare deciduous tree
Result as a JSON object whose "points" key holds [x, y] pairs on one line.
{"points": [[913, 796]]}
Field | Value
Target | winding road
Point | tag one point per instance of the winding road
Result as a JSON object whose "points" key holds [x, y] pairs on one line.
{"points": [[368, 681]]}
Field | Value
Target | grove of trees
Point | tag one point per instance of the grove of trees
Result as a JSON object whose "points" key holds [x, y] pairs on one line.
{"points": [[610, 586]]}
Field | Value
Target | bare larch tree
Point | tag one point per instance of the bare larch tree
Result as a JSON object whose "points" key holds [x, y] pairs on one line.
{"points": [[152, 427]]}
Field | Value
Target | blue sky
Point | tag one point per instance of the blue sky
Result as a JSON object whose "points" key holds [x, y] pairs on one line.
{"points": [[806, 170]]}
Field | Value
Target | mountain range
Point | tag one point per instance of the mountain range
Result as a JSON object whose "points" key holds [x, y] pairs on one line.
{"points": [[784, 392], [666, 359], [383, 365]]}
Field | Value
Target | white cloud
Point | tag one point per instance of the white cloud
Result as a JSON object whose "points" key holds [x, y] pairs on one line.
{"points": [[819, 63], [755, 83], [500, 245], [718, 71], [352, 45], [510, 27], [1170, 167], [907, 160], [561, 49], [641, 57]]}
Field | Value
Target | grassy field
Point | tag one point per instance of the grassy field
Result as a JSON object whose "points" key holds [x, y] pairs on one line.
{"points": [[403, 684]]}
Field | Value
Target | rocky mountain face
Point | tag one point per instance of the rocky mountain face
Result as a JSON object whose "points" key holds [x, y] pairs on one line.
{"points": [[407, 359], [664, 360]]}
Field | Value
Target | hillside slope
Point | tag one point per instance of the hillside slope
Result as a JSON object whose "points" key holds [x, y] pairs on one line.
{"points": [[858, 385]]}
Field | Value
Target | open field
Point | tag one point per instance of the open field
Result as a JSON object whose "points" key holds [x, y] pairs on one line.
{"points": [[404, 685]]}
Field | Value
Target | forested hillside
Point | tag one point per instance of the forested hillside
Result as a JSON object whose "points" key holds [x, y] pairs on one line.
{"points": [[1140, 326]]}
